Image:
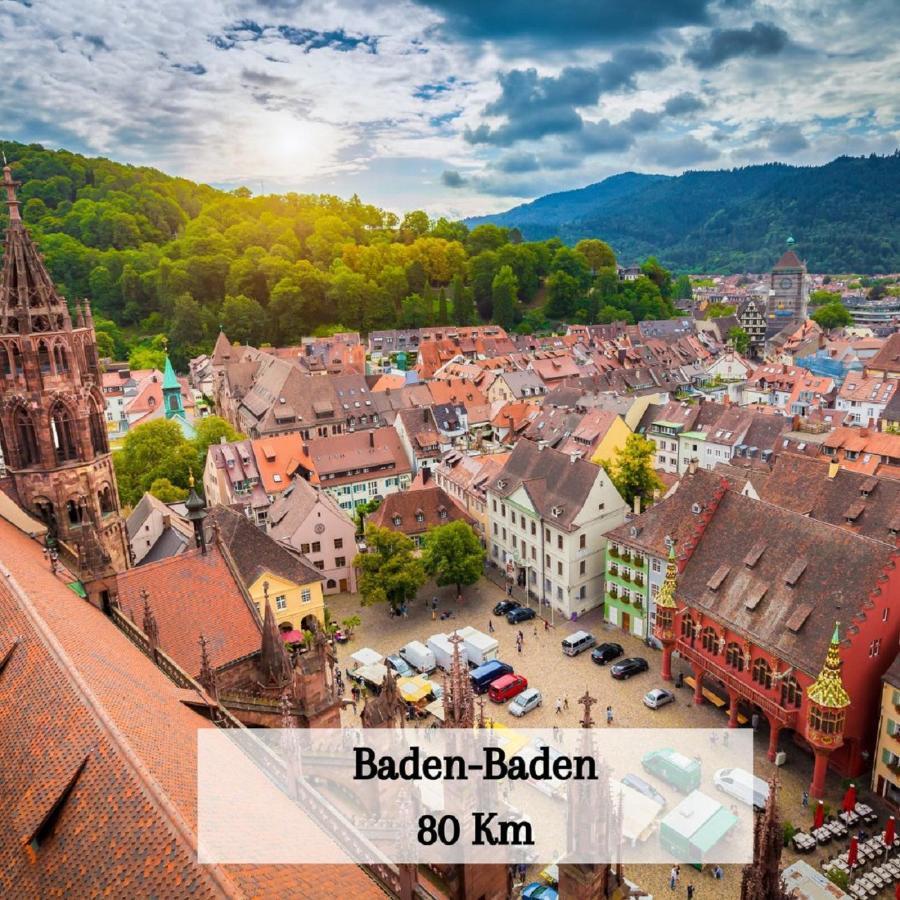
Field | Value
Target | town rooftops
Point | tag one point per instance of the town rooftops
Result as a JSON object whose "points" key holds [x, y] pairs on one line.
{"points": [[343, 457], [414, 512], [792, 618]]}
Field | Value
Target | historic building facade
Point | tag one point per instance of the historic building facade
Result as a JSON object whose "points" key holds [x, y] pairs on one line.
{"points": [[788, 293], [52, 415]]}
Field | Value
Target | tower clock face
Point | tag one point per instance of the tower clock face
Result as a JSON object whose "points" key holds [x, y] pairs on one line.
{"points": [[786, 283]]}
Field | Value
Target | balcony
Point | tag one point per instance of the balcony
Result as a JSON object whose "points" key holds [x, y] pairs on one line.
{"points": [[750, 693]]}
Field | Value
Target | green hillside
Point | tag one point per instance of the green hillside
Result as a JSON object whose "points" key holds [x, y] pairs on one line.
{"points": [[843, 216]]}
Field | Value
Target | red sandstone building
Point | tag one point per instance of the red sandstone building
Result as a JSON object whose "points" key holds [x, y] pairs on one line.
{"points": [[751, 605]]}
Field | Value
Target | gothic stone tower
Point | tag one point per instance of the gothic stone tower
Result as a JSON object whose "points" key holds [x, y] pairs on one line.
{"points": [[52, 423], [788, 292]]}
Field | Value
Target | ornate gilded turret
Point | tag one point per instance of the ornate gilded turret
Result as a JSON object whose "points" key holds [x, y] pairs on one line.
{"points": [[666, 607], [828, 702]]}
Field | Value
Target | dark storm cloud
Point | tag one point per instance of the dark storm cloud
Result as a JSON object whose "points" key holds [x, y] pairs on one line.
{"points": [[536, 106], [684, 151], [518, 162], [452, 179], [567, 23], [721, 44], [787, 139]]}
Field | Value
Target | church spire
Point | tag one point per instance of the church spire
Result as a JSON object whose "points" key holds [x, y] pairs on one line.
{"points": [[828, 689], [459, 704], [274, 662], [12, 201]]}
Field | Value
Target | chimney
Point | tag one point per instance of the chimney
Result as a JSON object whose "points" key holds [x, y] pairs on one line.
{"points": [[372, 439], [223, 439], [833, 469], [692, 465], [426, 474], [424, 413], [306, 449], [637, 504]]}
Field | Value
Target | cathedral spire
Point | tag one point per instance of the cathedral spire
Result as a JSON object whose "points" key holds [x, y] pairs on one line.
{"points": [[761, 880], [12, 201], [275, 665], [459, 704]]}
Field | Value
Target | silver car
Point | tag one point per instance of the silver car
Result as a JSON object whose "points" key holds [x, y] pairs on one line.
{"points": [[658, 697], [524, 702]]}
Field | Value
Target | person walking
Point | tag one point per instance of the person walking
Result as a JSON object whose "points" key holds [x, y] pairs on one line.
{"points": [[558, 705], [491, 626], [535, 630], [609, 715], [690, 892], [673, 878], [546, 625], [519, 647], [566, 701], [804, 800]]}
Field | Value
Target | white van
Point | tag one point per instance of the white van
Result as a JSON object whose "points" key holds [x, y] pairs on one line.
{"points": [[743, 786], [577, 643], [418, 656]]}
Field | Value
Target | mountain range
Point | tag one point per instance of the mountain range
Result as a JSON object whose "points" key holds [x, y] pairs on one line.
{"points": [[843, 216]]}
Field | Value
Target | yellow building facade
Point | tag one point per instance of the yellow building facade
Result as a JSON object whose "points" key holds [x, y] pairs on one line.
{"points": [[292, 603], [886, 763], [614, 439]]}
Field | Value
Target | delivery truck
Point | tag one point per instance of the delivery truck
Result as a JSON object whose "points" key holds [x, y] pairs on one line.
{"points": [[442, 649], [419, 657], [480, 647]]}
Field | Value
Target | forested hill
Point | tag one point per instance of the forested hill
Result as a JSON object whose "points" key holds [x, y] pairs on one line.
{"points": [[843, 216], [165, 260]]}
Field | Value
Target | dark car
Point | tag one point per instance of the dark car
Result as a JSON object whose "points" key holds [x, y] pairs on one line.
{"points": [[505, 606], [629, 667], [642, 787], [520, 614], [604, 653]]}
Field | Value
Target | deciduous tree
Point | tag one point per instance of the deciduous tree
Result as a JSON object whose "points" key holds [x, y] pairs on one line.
{"points": [[389, 570], [631, 469], [453, 555]]}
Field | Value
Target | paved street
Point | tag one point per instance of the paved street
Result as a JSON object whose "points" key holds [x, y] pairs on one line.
{"points": [[556, 675]]}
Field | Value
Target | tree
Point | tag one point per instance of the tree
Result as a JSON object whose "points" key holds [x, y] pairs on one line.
{"points": [[631, 470], [453, 555], [362, 510], [718, 310], [683, 289], [164, 490], [415, 224], [152, 451], [150, 355], [463, 303], [443, 318], [739, 339], [661, 277], [598, 254], [504, 290], [562, 295], [389, 570], [819, 298], [832, 315], [243, 319]]}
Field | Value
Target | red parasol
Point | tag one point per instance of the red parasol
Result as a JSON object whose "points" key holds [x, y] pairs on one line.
{"points": [[853, 853], [890, 831], [849, 802], [819, 819], [292, 637]]}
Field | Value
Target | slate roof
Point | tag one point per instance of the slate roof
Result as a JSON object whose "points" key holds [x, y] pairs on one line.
{"points": [[254, 552], [353, 451], [887, 359], [753, 595], [296, 504], [557, 484], [76, 690]]}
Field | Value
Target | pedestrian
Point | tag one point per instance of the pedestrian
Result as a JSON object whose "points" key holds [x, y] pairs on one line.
{"points": [[609, 715], [433, 613], [718, 873], [491, 626], [754, 721], [804, 800], [690, 892], [519, 646], [546, 625], [558, 705], [673, 878], [535, 630], [566, 702], [509, 590]]}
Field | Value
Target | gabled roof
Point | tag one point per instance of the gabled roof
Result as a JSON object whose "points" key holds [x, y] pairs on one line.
{"points": [[414, 512], [789, 260]]}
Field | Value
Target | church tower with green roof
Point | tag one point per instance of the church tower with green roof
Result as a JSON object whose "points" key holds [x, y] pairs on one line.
{"points": [[171, 390]]}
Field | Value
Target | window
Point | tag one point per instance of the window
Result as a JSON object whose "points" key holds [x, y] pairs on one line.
{"points": [[494, 504], [734, 657], [762, 673], [319, 564], [559, 568], [340, 562], [709, 640], [791, 695], [559, 542], [656, 566], [503, 531], [514, 542], [304, 548], [281, 602], [826, 721], [533, 553], [546, 534], [495, 528], [533, 528], [547, 560], [305, 595], [688, 628], [316, 547], [338, 543], [875, 647], [582, 567], [503, 510], [582, 542]]}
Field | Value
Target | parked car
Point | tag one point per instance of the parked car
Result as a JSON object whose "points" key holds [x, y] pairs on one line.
{"points": [[577, 643], [400, 666], [538, 891], [743, 786], [507, 687], [628, 667], [520, 614], [528, 700], [489, 672], [605, 653], [505, 606], [681, 771], [658, 697], [643, 787]]}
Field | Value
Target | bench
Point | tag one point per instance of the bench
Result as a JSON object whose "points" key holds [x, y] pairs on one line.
{"points": [[715, 699]]}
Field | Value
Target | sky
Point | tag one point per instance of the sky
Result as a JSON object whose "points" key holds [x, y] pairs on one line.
{"points": [[458, 107]]}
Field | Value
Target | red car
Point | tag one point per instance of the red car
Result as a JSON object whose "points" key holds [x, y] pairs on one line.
{"points": [[507, 687]]}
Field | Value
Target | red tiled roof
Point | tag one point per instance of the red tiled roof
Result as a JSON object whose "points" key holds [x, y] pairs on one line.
{"points": [[427, 502]]}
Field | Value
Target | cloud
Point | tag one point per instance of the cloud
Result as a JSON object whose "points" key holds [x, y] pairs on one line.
{"points": [[721, 44], [601, 137], [452, 179], [536, 106], [190, 68], [518, 162], [682, 104], [679, 152], [567, 24], [249, 31], [786, 140]]}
